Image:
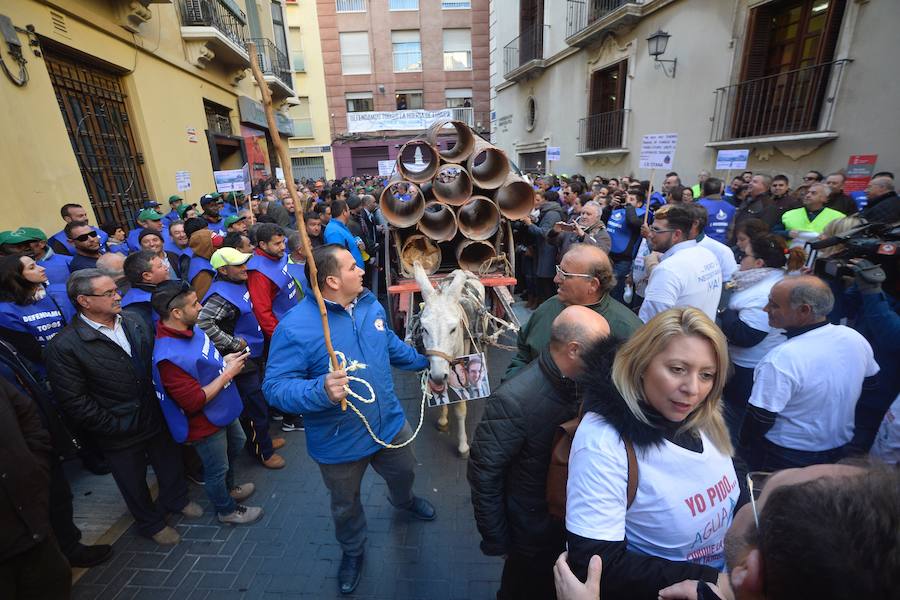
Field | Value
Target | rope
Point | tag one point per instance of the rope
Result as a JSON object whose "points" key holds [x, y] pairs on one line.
{"points": [[355, 365]]}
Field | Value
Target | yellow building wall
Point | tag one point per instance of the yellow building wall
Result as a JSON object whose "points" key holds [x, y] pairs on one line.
{"points": [[311, 84], [165, 95]]}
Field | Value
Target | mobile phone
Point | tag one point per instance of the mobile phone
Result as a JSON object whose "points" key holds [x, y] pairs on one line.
{"points": [[246, 350], [566, 226]]}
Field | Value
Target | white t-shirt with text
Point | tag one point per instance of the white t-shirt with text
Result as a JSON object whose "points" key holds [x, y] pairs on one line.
{"points": [[684, 502], [687, 275]]}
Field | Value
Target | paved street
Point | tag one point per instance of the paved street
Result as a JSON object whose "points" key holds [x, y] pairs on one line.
{"points": [[291, 553]]}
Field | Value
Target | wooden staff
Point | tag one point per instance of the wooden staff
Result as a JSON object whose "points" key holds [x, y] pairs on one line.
{"points": [[301, 223], [649, 193]]}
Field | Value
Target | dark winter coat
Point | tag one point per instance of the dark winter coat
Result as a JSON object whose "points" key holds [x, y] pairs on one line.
{"points": [[24, 474], [510, 456], [545, 253], [100, 388]]}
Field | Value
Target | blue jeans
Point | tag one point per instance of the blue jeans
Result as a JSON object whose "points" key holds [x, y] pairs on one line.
{"points": [[218, 452], [621, 269]]}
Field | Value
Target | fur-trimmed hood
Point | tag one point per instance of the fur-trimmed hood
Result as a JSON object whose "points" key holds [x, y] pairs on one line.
{"points": [[601, 396]]}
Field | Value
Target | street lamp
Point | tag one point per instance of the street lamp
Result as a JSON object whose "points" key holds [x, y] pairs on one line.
{"points": [[656, 46]]}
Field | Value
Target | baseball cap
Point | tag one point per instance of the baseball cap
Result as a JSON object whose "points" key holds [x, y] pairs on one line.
{"points": [[233, 219], [165, 292], [174, 198], [4, 237], [210, 198], [228, 257], [184, 208], [148, 214], [28, 234], [151, 204]]}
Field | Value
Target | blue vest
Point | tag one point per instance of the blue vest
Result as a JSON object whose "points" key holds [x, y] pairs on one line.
{"points": [[139, 296], [618, 230], [721, 214], [57, 268], [132, 240], [41, 320], [61, 237], [199, 358], [198, 265], [121, 248], [217, 228], [247, 327], [277, 272], [170, 217], [171, 246], [298, 272]]}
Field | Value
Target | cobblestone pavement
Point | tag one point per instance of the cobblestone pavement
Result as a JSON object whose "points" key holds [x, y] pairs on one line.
{"points": [[291, 552]]}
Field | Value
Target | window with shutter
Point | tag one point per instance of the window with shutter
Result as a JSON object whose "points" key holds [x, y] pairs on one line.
{"points": [[355, 53], [786, 67], [407, 50], [457, 49]]}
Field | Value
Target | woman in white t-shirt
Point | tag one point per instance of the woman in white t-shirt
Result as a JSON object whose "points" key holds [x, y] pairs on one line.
{"points": [[663, 396], [763, 260]]}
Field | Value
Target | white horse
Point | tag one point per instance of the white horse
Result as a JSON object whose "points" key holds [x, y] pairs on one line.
{"points": [[448, 314]]}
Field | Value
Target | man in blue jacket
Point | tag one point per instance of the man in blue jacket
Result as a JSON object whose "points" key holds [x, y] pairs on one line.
{"points": [[298, 381], [337, 232]]}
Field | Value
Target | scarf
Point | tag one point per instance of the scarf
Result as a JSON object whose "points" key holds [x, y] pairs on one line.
{"points": [[746, 279]]}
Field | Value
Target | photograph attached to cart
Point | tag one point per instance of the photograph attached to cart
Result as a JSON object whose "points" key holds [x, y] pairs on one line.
{"points": [[468, 381]]}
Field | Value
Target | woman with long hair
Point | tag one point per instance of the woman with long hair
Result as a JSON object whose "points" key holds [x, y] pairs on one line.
{"points": [[659, 408], [745, 324], [29, 317]]}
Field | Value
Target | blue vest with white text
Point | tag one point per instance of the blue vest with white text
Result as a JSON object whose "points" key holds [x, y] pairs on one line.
{"points": [[276, 271], [198, 357], [298, 272], [247, 327], [721, 214], [41, 320], [618, 230]]}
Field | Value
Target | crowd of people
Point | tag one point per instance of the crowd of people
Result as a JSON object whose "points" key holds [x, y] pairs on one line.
{"points": [[686, 329]]}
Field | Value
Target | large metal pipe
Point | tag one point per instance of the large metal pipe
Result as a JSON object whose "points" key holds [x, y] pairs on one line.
{"points": [[418, 247], [402, 203], [471, 255], [439, 222], [462, 145], [452, 185], [515, 198], [421, 168], [478, 218], [488, 165]]}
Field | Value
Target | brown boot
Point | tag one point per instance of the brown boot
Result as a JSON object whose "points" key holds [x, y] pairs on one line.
{"points": [[273, 462], [278, 443]]}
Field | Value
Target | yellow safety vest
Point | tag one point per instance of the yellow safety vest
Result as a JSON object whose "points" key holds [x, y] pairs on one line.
{"points": [[798, 219]]}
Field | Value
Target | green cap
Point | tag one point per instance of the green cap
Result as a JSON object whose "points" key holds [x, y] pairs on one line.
{"points": [[184, 208], [30, 234], [148, 214], [233, 219], [174, 198], [4, 237], [228, 257]]}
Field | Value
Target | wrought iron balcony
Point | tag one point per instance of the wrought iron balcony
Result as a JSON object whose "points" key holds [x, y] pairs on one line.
{"points": [[586, 20], [787, 104], [276, 68], [603, 131], [524, 56], [214, 23]]}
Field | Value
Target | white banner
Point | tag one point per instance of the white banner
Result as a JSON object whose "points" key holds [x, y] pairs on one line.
{"points": [[727, 160], [182, 180], [658, 150], [400, 120]]}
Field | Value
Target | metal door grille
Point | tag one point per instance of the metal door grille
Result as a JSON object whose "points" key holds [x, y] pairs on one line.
{"points": [[93, 106]]}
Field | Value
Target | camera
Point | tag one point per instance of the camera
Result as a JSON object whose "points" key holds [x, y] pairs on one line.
{"points": [[876, 242]]}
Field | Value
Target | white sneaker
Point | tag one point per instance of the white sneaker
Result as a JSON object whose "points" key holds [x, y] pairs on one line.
{"points": [[243, 491], [242, 515]]}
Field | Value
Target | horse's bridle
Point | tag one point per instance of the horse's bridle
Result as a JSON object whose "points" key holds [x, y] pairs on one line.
{"points": [[439, 354]]}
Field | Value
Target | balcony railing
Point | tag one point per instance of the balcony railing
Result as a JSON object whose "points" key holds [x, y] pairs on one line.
{"points": [[403, 5], [793, 102], [466, 114], [603, 131], [273, 62], [455, 4], [586, 20], [214, 13], [527, 47], [351, 5]]}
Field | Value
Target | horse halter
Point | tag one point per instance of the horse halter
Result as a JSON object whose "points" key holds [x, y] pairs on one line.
{"points": [[439, 354]]}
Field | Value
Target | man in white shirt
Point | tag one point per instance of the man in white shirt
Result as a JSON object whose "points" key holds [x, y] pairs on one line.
{"points": [[687, 274], [801, 410]]}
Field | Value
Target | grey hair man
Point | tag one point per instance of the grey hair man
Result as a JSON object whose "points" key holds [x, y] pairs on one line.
{"points": [[801, 410], [113, 265], [100, 370], [884, 204]]}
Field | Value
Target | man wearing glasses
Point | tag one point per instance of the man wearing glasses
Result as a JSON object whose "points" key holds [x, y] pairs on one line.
{"points": [[687, 274], [99, 368], [86, 242]]}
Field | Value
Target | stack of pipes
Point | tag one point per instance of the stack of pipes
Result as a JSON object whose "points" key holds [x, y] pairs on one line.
{"points": [[452, 205]]}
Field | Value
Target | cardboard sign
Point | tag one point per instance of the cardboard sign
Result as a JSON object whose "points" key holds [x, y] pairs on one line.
{"points": [[279, 174], [386, 167], [727, 160], [553, 153], [658, 150], [468, 380], [182, 180], [859, 172]]}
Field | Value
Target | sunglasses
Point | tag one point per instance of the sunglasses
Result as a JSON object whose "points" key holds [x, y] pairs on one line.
{"points": [[86, 236], [566, 275]]}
